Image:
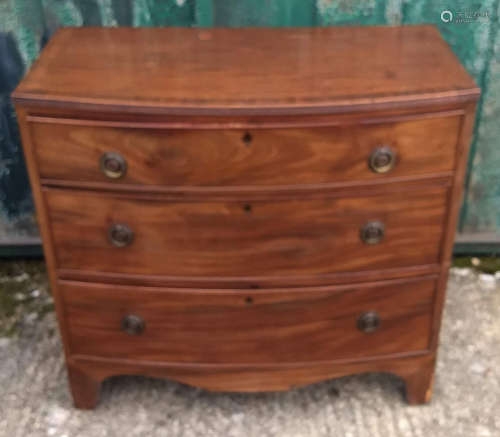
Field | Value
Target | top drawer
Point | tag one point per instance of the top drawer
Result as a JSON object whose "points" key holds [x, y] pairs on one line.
{"points": [[235, 157]]}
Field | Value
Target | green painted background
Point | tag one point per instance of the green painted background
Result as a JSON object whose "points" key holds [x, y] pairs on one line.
{"points": [[26, 25]]}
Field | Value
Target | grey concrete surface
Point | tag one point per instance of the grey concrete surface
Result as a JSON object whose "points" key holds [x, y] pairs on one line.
{"points": [[35, 399]]}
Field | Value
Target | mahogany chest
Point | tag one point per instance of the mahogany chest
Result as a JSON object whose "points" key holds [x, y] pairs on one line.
{"points": [[247, 209]]}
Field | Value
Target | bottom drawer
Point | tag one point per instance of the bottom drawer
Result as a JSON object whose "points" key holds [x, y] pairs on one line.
{"points": [[242, 326]]}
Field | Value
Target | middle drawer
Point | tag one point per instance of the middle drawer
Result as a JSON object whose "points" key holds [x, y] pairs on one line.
{"points": [[135, 234]]}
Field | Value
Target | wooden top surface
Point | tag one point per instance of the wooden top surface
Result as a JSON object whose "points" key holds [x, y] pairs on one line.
{"points": [[249, 70]]}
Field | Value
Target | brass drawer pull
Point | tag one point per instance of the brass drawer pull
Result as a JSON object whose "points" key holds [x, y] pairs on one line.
{"points": [[369, 322], [372, 232], [113, 165], [120, 235], [133, 325], [382, 160]]}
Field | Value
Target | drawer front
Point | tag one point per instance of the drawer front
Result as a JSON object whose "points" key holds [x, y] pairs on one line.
{"points": [[244, 158], [264, 326], [121, 233]]}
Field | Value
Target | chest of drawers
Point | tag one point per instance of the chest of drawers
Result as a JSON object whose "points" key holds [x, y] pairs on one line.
{"points": [[247, 209]]}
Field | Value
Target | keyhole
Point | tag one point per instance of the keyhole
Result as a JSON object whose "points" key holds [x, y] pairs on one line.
{"points": [[249, 300], [247, 208], [247, 139]]}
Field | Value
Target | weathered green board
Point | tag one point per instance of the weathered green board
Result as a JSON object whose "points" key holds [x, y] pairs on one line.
{"points": [[473, 33]]}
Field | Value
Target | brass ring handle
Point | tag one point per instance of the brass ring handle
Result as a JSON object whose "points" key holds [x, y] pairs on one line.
{"points": [[382, 160], [113, 165], [120, 235], [133, 325], [369, 322], [372, 232]]}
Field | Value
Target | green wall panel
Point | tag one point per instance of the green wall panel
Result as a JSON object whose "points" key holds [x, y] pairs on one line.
{"points": [[481, 212], [355, 12], [61, 13], [473, 41], [163, 13], [264, 13], [469, 41], [26, 25]]}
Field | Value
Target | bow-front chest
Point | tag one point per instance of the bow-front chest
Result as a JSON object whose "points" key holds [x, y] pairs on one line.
{"points": [[247, 209]]}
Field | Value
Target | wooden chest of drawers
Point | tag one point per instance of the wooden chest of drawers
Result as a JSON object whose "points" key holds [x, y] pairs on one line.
{"points": [[251, 209]]}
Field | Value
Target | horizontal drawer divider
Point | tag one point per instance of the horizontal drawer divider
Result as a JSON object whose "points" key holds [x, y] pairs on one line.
{"points": [[341, 189], [249, 283], [340, 288]]}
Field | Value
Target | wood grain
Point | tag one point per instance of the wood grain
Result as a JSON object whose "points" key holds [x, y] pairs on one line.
{"points": [[252, 327], [85, 389], [271, 377], [454, 204], [178, 70], [103, 116], [246, 263], [248, 282], [259, 193], [234, 157], [43, 222], [282, 238]]}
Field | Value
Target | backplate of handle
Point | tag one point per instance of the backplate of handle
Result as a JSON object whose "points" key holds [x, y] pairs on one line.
{"points": [[133, 324], [372, 232], [120, 235], [368, 322], [382, 159], [113, 165]]}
